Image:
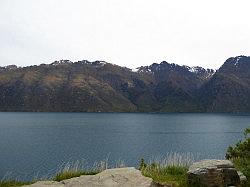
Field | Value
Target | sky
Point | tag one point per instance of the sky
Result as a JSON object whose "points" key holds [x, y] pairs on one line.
{"points": [[129, 33]]}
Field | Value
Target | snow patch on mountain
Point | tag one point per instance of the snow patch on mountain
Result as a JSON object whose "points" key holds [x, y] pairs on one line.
{"points": [[237, 60], [194, 69], [61, 62]]}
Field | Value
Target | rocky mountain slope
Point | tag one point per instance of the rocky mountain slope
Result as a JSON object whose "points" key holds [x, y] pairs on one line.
{"points": [[103, 87]]}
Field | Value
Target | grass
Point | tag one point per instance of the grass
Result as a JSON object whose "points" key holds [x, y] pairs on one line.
{"points": [[71, 174], [13, 183], [76, 169], [169, 175], [62, 175], [66, 171], [171, 170]]}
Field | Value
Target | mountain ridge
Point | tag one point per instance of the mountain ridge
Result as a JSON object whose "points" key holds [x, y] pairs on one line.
{"points": [[98, 86]]}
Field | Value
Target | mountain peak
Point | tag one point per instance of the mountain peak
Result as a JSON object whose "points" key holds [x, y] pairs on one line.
{"points": [[236, 61], [238, 66], [155, 67], [167, 68], [61, 62], [9, 67]]}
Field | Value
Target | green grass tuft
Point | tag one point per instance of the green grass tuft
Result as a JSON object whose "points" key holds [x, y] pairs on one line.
{"points": [[168, 175], [170, 170], [70, 174]]}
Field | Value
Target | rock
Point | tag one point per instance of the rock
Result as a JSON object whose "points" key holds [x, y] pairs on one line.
{"points": [[121, 177], [46, 183], [211, 173]]}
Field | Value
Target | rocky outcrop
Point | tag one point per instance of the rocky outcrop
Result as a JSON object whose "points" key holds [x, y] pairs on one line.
{"points": [[211, 173], [122, 177]]}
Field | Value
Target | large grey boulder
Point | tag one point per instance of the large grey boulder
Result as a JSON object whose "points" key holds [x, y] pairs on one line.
{"points": [[213, 173], [122, 177]]}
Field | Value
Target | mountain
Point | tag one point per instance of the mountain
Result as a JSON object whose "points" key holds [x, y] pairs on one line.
{"points": [[99, 86], [229, 89], [174, 86]]}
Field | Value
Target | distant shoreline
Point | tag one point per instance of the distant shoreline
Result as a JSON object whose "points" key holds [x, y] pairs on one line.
{"points": [[229, 113]]}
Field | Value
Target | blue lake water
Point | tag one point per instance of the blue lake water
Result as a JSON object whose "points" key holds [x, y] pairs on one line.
{"points": [[37, 144]]}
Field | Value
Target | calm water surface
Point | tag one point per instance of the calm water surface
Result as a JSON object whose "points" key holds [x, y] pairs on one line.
{"points": [[37, 144]]}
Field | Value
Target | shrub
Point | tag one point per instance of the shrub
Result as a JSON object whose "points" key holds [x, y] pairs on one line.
{"points": [[241, 149], [240, 155]]}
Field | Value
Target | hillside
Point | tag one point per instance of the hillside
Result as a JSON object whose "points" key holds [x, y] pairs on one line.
{"points": [[99, 86], [229, 89]]}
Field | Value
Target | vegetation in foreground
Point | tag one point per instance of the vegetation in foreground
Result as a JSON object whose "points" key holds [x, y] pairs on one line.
{"points": [[71, 174], [67, 171], [240, 155], [171, 170], [169, 175], [76, 169], [62, 175], [12, 183]]}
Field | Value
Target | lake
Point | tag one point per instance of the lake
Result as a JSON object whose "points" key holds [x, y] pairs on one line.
{"points": [[37, 144]]}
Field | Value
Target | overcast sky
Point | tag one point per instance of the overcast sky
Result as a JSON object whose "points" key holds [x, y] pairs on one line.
{"points": [[125, 32]]}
